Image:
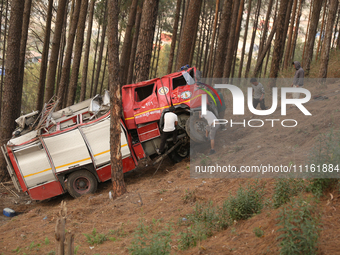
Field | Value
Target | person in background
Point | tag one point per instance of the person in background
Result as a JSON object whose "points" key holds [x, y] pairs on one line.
{"points": [[210, 129], [298, 78], [170, 123], [258, 93]]}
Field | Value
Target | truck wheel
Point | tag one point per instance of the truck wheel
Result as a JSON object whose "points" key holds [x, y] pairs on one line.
{"points": [[195, 128], [80, 183], [180, 153]]}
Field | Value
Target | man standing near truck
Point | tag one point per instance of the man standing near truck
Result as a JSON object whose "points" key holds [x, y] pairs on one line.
{"points": [[170, 123]]}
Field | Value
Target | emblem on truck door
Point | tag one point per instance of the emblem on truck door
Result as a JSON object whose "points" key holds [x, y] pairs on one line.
{"points": [[163, 91], [186, 95]]}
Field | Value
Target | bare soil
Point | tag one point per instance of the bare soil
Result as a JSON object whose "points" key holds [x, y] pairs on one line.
{"points": [[163, 195]]}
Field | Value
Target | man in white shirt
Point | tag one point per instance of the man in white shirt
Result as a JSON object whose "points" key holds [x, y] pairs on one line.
{"points": [[210, 129], [170, 123]]}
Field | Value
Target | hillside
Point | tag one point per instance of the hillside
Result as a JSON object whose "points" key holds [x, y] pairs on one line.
{"points": [[170, 194]]}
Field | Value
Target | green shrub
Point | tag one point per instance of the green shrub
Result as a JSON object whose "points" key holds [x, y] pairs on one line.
{"points": [[285, 189], [325, 154], [300, 226], [258, 232], [95, 238], [151, 239], [246, 203]]}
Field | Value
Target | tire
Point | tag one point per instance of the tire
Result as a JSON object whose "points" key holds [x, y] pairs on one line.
{"points": [[180, 153], [195, 128], [81, 182]]}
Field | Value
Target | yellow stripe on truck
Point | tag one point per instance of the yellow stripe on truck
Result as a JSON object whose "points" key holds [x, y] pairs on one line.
{"points": [[155, 109], [75, 162]]}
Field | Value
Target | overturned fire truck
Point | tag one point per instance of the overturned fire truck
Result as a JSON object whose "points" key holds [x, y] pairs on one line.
{"points": [[69, 150]]}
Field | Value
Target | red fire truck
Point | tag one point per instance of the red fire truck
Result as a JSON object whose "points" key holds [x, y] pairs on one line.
{"points": [[69, 150]]}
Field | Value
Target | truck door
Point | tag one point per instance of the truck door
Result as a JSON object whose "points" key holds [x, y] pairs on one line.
{"points": [[146, 107], [180, 88]]}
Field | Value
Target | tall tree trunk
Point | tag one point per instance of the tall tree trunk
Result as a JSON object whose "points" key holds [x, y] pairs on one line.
{"points": [[205, 67], [181, 29], [153, 56], [321, 31], [52, 68], [134, 44], [296, 30], [23, 43], [290, 36], [65, 74], [158, 52], [244, 40], [94, 63], [87, 52], [336, 27], [194, 40], [126, 49], [278, 45], [328, 38], [117, 176], [212, 44], [199, 43], [314, 21], [61, 54], [306, 36], [77, 54], [11, 101], [223, 38], [104, 71], [250, 54], [100, 54], [174, 37], [265, 28], [3, 59], [188, 33], [237, 36], [44, 58], [231, 40], [145, 39]]}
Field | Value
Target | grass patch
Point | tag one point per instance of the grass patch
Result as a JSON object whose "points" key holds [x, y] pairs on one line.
{"points": [[285, 189]]}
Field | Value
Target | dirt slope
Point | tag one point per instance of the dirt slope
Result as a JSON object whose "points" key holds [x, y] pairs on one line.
{"points": [[164, 195]]}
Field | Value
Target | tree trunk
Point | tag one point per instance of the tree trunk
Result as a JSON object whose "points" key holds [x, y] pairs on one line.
{"points": [[212, 44], [314, 21], [44, 58], [306, 36], [153, 56], [100, 54], [237, 36], [336, 27], [87, 53], [231, 40], [125, 56], [250, 54], [296, 30], [145, 39], [328, 38], [134, 45], [205, 67], [77, 54], [244, 40], [52, 68], [278, 45], [321, 31], [23, 43], [117, 176], [94, 63], [3, 59], [11, 100], [223, 38], [290, 36], [104, 71], [188, 33], [266, 23], [65, 74], [174, 37]]}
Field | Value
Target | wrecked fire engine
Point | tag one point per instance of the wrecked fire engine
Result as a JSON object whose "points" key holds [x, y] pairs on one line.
{"points": [[69, 150]]}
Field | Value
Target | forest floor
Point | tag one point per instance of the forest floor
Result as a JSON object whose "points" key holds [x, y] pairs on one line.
{"points": [[171, 194]]}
